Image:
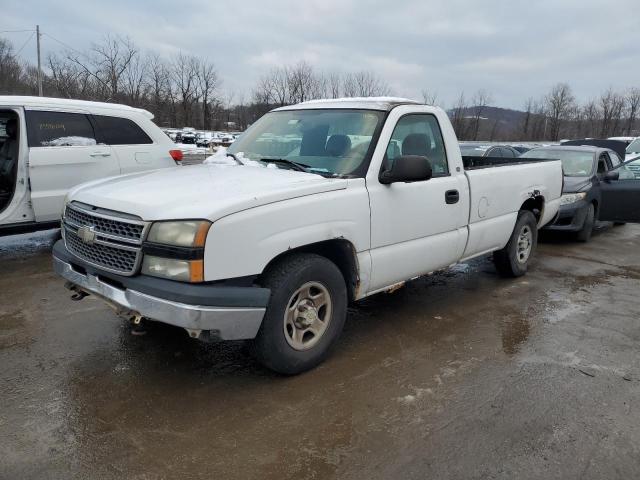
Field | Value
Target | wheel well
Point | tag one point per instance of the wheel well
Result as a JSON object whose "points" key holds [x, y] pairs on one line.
{"points": [[535, 205], [340, 251]]}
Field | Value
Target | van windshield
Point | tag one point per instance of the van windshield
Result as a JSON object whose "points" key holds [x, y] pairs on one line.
{"points": [[324, 141], [574, 163], [634, 147]]}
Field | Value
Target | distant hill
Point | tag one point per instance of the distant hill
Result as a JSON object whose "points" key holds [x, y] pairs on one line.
{"points": [[495, 123]]}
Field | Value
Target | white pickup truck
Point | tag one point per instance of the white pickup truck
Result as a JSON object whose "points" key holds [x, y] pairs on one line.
{"points": [[316, 205]]}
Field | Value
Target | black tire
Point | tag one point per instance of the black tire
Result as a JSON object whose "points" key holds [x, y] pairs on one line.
{"points": [[271, 347], [508, 261], [584, 234]]}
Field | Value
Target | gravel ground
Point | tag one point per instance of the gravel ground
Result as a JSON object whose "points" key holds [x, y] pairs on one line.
{"points": [[458, 375]]}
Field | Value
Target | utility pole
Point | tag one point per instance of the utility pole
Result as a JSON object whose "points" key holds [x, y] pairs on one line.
{"points": [[39, 64]]}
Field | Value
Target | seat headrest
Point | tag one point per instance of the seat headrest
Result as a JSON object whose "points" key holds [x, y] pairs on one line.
{"points": [[12, 128], [338, 145], [416, 144]]}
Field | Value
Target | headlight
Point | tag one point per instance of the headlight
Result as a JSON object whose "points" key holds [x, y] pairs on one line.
{"points": [[179, 234], [174, 269], [569, 198], [175, 250]]}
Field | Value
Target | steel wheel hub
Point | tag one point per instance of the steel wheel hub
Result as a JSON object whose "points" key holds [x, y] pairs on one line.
{"points": [[307, 315], [525, 243]]}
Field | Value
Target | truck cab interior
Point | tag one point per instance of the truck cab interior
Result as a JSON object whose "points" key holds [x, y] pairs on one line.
{"points": [[9, 149]]}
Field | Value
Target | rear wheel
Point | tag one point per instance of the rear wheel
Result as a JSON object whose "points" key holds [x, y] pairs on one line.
{"points": [[584, 234], [513, 260], [305, 315]]}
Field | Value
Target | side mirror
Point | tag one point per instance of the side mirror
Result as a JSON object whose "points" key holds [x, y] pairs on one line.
{"points": [[612, 176], [407, 168]]}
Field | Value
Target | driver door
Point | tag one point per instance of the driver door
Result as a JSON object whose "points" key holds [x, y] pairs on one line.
{"points": [[619, 197]]}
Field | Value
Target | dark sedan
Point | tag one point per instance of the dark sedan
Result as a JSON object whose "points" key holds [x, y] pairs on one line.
{"points": [[587, 170], [488, 150]]}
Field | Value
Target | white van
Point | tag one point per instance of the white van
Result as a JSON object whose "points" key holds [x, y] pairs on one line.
{"points": [[48, 145]]}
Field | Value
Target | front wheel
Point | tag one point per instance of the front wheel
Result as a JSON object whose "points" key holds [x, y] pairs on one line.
{"points": [[305, 315], [584, 234], [513, 259]]}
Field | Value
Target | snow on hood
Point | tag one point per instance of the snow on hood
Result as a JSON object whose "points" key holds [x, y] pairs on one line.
{"points": [[200, 191]]}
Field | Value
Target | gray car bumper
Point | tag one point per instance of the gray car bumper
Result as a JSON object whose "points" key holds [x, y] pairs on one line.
{"points": [[226, 323]]}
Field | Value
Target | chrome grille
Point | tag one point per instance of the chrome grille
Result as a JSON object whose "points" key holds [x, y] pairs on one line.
{"points": [[114, 243], [105, 225], [115, 259]]}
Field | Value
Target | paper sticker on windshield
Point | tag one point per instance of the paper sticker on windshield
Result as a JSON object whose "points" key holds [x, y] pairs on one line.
{"points": [[293, 121]]}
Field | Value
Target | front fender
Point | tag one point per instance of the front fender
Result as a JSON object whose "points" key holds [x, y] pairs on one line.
{"points": [[243, 243]]}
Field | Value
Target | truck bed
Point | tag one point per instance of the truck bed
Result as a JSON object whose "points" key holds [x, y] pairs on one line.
{"points": [[496, 194], [474, 163]]}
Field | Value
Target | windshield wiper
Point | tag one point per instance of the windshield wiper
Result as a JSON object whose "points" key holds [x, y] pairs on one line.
{"points": [[300, 167], [235, 158]]}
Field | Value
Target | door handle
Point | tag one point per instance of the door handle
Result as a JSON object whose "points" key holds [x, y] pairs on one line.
{"points": [[100, 154], [451, 196]]}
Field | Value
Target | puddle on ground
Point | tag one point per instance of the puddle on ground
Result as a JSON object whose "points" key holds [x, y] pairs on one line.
{"points": [[515, 331]]}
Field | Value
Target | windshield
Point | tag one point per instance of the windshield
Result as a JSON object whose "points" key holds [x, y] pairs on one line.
{"points": [[574, 163], [634, 147], [328, 142]]}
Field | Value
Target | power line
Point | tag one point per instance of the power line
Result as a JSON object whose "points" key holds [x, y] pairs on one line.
{"points": [[25, 44], [16, 31], [65, 45]]}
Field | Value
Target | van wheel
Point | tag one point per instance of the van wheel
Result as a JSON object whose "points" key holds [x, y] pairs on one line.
{"points": [[584, 234], [305, 315], [513, 260]]}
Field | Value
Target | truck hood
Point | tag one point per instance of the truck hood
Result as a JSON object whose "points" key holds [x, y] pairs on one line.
{"points": [[200, 191]]}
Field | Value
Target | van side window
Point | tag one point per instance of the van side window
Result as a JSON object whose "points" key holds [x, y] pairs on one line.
{"points": [[59, 129], [419, 134], [119, 131]]}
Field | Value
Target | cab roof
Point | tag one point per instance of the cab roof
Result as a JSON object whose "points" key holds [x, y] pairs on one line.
{"points": [[68, 104], [367, 103]]}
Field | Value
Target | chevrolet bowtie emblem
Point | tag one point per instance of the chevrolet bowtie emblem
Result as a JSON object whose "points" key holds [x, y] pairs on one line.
{"points": [[87, 234]]}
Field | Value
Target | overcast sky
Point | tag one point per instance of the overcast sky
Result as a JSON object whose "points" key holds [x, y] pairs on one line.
{"points": [[513, 49]]}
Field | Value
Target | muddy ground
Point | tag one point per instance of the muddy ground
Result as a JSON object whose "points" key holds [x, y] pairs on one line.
{"points": [[459, 375]]}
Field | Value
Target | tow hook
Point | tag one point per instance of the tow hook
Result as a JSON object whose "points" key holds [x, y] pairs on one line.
{"points": [[138, 328], [77, 293]]}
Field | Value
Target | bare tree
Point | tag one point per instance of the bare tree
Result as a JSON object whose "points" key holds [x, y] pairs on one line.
{"points": [[458, 115], [479, 103], [207, 79], [526, 123], [633, 102], [184, 71], [591, 118], [134, 80], [158, 87], [273, 88], [611, 104], [559, 102], [334, 85], [10, 69], [364, 84], [429, 97]]}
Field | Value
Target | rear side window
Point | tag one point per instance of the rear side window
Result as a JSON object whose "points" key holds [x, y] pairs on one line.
{"points": [[119, 131], [419, 134], [59, 129]]}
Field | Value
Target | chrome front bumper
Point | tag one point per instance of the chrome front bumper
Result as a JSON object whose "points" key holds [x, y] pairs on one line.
{"points": [[226, 323]]}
